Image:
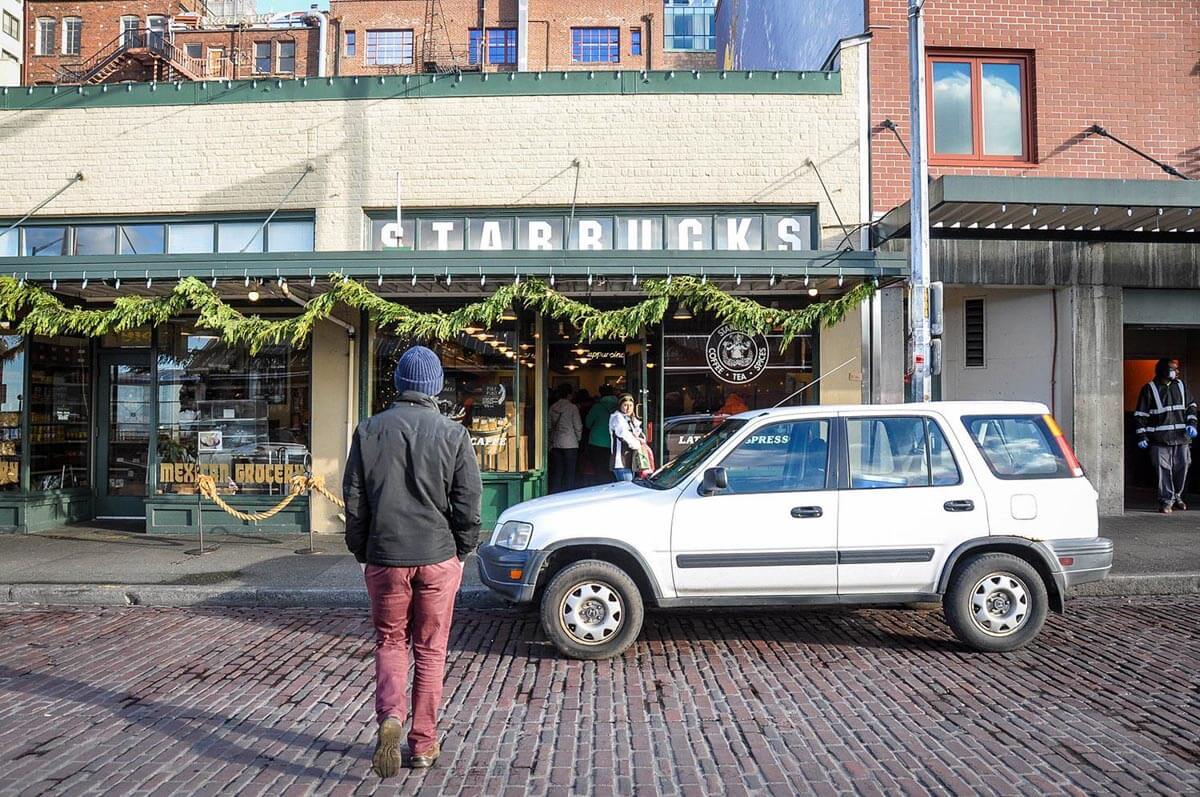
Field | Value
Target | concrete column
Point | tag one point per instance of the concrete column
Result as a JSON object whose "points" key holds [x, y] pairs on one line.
{"points": [[838, 344], [887, 356], [334, 408], [1097, 426]]}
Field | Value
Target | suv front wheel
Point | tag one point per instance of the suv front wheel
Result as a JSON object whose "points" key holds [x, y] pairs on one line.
{"points": [[592, 610], [996, 602]]}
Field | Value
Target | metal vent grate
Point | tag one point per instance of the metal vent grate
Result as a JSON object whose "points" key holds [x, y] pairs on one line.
{"points": [[974, 332]]}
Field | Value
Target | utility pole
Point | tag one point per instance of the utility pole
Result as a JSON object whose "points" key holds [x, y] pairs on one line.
{"points": [[918, 288]]}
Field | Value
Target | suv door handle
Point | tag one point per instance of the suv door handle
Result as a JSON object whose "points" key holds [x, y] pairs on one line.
{"points": [[959, 506], [807, 511]]}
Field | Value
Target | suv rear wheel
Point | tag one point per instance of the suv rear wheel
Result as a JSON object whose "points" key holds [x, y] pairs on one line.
{"points": [[996, 602], [592, 610]]}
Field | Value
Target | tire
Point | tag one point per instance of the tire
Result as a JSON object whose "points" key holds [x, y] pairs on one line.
{"points": [[996, 602], [592, 610]]}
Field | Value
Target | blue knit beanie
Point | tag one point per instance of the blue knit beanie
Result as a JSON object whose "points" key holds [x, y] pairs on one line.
{"points": [[419, 369]]}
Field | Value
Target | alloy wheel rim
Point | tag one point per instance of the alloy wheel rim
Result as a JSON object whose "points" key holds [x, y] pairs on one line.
{"points": [[999, 604], [591, 612]]}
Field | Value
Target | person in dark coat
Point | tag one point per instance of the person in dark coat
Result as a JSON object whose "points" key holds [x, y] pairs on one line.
{"points": [[1166, 426], [412, 492]]}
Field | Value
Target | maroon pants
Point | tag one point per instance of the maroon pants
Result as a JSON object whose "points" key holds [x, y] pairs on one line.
{"points": [[412, 604]]}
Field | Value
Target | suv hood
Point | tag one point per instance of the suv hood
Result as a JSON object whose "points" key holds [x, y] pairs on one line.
{"points": [[602, 496]]}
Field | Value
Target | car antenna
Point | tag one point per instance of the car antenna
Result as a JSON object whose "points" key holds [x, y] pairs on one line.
{"points": [[818, 379]]}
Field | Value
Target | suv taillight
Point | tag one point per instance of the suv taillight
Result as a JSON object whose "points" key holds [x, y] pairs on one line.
{"points": [[1063, 446]]}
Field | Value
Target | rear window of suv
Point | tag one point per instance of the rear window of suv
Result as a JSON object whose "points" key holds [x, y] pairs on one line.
{"points": [[1017, 446]]}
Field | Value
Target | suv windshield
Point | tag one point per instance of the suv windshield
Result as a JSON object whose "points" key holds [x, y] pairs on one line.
{"points": [[682, 466]]}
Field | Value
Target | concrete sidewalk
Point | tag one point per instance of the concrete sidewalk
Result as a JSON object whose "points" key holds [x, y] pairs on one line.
{"points": [[90, 565]]}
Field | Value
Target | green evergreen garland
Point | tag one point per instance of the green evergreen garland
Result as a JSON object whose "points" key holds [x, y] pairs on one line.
{"points": [[42, 313]]}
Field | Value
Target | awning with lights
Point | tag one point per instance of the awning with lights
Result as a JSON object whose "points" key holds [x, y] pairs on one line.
{"points": [[959, 204]]}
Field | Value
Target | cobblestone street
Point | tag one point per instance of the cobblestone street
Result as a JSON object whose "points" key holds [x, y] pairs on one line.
{"points": [[169, 701]]}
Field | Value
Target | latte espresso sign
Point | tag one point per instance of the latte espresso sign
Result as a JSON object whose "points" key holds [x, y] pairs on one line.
{"points": [[736, 357], [590, 231]]}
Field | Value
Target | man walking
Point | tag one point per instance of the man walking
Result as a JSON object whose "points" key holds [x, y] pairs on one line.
{"points": [[412, 492], [566, 429], [1166, 425]]}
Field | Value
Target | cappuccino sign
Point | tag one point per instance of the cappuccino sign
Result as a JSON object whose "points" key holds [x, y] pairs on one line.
{"points": [[589, 231], [736, 357]]}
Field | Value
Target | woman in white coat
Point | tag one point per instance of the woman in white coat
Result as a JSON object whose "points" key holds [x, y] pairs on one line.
{"points": [[625, 431]]}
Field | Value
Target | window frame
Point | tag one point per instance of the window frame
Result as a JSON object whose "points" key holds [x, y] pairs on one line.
{"points": [[846, 480], [615, 45], [635, 41], [279, 57], [269, 57], [373, 60], [66, 27], [976, 59], [41, 40], [350, 43], [503, 46], [831, 447], [670, 12], [1039, 421], [12, 26]]}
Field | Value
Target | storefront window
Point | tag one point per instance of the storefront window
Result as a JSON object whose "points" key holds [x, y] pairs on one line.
{"points": [[243, 419], [490, 382], [12, 395], [60, 413], [711, 371]]}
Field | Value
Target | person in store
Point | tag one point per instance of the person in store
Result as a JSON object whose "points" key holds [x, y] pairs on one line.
{"points": [[413, 494], [566, 430], [1166, 426], [733, 405], [628, 440], [599, 449]]}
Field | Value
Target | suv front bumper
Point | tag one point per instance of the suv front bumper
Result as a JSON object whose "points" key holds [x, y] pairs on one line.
{"points": [[1081, 560], [497, 567]]}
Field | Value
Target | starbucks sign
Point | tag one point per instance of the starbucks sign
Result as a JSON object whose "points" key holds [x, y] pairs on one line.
{"points": [[735, 356]]}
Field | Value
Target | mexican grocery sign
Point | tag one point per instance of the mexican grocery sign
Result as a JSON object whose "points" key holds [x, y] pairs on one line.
{"points": [[743, 231]]}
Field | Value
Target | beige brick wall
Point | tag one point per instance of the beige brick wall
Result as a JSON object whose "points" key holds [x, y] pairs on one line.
{"points": [[500, 151]]}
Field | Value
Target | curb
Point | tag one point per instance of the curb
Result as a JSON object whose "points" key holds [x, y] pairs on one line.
{"points": [[157, 595]]}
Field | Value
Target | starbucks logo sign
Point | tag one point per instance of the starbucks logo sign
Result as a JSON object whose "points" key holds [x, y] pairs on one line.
{"points": [[735, 356]]}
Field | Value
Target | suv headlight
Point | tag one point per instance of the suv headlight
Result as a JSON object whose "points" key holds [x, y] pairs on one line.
{"points": [[514, 535]]}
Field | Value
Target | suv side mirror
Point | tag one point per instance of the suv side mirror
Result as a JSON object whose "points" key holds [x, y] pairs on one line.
{"points": [[715, 480]]}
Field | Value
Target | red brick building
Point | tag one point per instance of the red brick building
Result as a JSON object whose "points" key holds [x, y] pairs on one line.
{"points": [[407, 36], [1128, 66], [108, 41]]}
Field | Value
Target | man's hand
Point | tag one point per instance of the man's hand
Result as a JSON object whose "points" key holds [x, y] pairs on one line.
{"points": [[1143, 444], [1191, 432]]}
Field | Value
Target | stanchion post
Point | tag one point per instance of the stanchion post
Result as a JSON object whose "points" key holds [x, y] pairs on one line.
{"points": [[311, 549], [200, 522]]}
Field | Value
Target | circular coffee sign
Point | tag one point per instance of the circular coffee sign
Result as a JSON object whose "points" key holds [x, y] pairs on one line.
{"points": [[735, 356]]}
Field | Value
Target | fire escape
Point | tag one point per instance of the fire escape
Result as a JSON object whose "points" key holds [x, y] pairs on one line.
{"points": [[438, 54], [149, 53]]}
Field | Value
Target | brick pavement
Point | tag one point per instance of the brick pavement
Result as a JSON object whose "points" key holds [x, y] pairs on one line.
{"points": [[278, 701]]}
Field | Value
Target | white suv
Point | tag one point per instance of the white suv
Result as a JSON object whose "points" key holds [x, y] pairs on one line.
{"points": [[979, 505]]}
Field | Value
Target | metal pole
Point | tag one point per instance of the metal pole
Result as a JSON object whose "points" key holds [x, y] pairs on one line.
{"points": [[918, 295]]}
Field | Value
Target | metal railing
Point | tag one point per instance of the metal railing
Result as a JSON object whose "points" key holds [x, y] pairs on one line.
{"points": [[155, 42]]}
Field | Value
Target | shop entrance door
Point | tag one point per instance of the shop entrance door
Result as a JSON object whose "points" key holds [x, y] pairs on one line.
{"points": [[125, 396]]}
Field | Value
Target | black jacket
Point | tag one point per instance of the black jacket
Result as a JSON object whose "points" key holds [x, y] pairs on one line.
{"points": [[412, 487], [1164, 412]]}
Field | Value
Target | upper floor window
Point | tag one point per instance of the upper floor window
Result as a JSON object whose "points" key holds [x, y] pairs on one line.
{"points": [[47, 29], [72, 35], [286, 58], [152, 238], [980, 108], [501, 46], [262, 57], [596, 45], [389, 47], [690, 24], [12, 26], [129, 29], [635, 41], [351, 42]]}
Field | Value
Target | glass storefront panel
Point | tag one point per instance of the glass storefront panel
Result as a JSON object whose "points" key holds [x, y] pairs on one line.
{"points": [[96, 240], [12, 398], [243, 419], [60, 413], [490, 383]]}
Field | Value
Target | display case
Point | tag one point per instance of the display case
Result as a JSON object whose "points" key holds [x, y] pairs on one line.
{"points": [[60, 417]]}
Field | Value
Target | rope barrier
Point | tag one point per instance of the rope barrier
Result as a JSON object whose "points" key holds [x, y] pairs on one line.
{"points": [[207, 486]]}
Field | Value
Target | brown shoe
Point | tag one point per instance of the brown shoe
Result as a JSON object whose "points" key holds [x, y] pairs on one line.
{"points": [[1165, 509], [386, 762], [1180, 505], [427, 759]]}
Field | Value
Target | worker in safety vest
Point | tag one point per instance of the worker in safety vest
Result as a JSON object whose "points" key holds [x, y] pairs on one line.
{"points": [[1166, 425]]}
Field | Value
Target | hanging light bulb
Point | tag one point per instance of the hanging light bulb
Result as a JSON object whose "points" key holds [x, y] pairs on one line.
{"points": [[509, 314], [312, 280], [85, 281], [812, 291], [682, 313], [117, 286], [253, 294]]}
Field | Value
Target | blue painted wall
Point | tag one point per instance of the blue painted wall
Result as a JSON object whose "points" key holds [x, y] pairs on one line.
{"points": [[783, 34]]}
